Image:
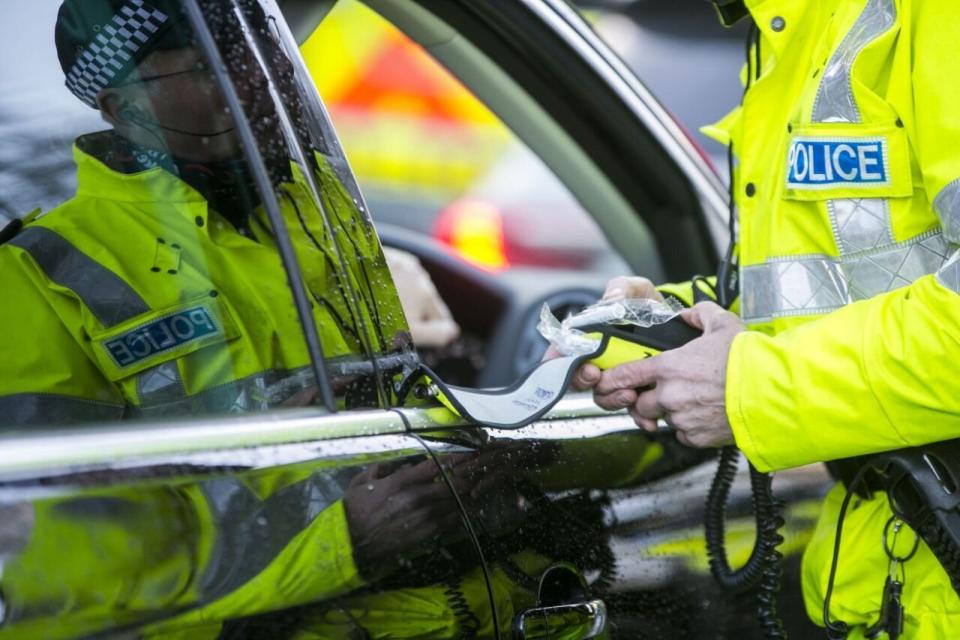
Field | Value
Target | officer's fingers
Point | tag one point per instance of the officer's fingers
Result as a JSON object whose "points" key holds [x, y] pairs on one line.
{"points": [[551, 353], [644, 423], [370, 473], [412, 526], [448, 522], [708, 316], [647, 405], [492, 481], [615, 400], [683, 439], [631, 375], [586, 377], [631, 287], [463, 485], [449, 460], [302, 398], [424, 496], [424, 472]]}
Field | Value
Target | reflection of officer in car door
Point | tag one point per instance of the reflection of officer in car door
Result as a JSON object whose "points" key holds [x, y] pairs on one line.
{"points": [[162, 184], [847, 191], [157, 290], [165, 252], [209, 551]]}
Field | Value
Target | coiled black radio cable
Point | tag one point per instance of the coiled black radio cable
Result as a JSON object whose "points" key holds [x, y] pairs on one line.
{"points": [[467, 622], [763, 569]]}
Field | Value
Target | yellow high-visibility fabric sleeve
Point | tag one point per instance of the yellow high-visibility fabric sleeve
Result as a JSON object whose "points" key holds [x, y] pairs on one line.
{"points": [[315, 566], [723, 130], [682, 291], [874, 376], [934, 127], [39, 354]]}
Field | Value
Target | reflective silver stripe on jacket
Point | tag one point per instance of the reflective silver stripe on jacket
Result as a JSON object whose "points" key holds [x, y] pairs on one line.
{"points": [[160, 384], [860, 224], [949, 274], [251, 533], [109, 298], [54, 409], [835, 101], [162, 392], [947, 206], [815, 284]]}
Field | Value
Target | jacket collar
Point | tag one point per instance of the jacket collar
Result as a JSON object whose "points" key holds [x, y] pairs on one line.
{"points": [[111, 168]]}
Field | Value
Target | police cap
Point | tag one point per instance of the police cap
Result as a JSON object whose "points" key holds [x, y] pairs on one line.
{"points": [[100, 41]]}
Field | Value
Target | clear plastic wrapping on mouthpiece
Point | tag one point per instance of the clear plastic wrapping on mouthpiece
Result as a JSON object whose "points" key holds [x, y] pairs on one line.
{"points": [[567, 338]]}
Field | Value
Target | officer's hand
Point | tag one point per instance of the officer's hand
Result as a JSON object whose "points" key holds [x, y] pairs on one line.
{"points": [[431, 322], [684, 386], [623, 287], [619, 288], [390, 514], [302, 398]]}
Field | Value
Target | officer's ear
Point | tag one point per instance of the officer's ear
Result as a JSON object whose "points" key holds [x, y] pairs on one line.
{"points": [[112, 105], [121, 108]]}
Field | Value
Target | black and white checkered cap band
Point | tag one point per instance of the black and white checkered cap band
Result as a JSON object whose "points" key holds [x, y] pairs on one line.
{"points": [[113, 48]]}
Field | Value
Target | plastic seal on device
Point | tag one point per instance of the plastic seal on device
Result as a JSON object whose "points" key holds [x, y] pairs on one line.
{"points": [[567, 338]]}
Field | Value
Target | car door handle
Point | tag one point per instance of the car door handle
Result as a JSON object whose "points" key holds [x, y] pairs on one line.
{"points": [[574, 621]]}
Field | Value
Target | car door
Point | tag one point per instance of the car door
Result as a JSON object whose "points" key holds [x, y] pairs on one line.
{"points": [[587, 526], [196, 438]]}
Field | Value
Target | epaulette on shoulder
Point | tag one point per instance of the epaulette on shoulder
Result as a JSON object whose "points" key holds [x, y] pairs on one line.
{"points": [[12, 228]]}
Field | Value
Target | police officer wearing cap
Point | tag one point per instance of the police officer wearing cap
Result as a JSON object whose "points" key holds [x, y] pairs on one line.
{"points": [[158, 291], [166, 252], [844, 337]]}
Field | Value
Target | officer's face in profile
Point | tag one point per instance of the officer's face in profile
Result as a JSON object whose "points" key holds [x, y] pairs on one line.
{"points": [[173, 103]]}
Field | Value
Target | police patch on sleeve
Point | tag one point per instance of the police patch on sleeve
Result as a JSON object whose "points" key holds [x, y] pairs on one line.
{"points": [[162, 335], [815, 163]]}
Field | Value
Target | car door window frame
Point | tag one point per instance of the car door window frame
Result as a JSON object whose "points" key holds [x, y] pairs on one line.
{"points": [[375, 360], [251, 150]]}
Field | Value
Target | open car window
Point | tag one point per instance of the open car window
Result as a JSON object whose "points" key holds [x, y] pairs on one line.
{"points": [[435, 160], [356, 308], [143, 271]]}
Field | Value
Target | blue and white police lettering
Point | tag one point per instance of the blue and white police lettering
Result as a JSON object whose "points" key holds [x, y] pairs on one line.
{"points": [[161, 335], [825, 163]]}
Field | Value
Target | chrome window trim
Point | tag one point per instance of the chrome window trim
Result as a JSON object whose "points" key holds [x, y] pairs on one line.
{"points": [[236, 438], [575, 415], [251, 150], [77, 448]]}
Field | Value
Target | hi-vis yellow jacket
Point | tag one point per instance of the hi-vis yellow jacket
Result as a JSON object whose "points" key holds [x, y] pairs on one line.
{"points": [[848, 188], [135, 299], [191, 552]]}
